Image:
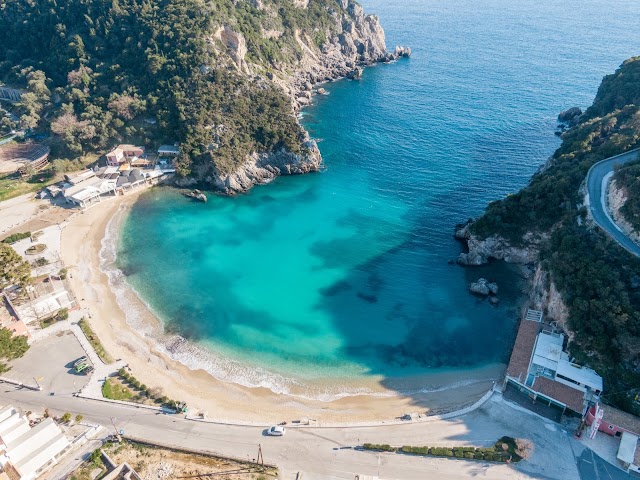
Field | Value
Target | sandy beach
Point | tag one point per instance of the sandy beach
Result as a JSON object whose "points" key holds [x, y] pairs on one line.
{"points": [[81, 244]]}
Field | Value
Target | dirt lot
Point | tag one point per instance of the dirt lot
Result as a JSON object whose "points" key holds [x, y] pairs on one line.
{"points": [[154, 463]]}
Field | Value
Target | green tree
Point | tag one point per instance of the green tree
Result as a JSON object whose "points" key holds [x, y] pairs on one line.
{"points": [[13, 269], [11, 347]]}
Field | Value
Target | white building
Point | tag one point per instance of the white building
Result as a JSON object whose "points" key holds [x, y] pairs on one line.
{"points": [[26, 452], [549, 360]]}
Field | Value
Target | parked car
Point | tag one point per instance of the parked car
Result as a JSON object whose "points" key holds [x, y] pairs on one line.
{"points": [[79, 361], [276, 431]]}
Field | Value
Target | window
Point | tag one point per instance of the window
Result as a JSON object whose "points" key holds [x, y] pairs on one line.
{"points": [[610, 427]]}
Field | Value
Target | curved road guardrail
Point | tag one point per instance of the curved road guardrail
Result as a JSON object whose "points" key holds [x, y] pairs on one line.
{"points": [[597, 180]]}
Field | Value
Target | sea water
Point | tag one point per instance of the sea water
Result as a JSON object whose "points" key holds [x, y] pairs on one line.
{"points": [[313, 283]]}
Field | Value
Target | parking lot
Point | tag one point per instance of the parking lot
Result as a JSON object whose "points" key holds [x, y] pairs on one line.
{"points": [[50, 363]]}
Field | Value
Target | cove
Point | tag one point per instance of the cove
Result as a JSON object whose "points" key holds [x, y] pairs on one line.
{"points": [[313, 283]]}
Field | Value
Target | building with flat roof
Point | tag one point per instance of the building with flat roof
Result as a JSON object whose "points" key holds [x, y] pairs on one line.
{"points": [[540, 368], [25, 451], [168, 151]]}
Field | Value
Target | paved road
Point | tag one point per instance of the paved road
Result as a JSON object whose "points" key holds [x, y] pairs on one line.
{"points": [[327, 453], [597, 179]]}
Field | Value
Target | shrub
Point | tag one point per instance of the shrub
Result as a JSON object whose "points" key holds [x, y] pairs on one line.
{"points": [[79, 418], [379, 447], [66, 418], [63, 314], [122, 372], [16, 237]]}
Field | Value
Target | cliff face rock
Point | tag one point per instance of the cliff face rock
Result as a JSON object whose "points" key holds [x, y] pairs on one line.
{"points": [[236, 46], [263, 168], [358, 41], [544, 296], [495, 247], [616, 198]]}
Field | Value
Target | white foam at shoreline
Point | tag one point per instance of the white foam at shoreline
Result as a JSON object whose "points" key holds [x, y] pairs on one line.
{"points": [[223, 369]]}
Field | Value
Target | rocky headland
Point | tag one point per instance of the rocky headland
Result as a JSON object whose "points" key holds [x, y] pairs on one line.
{"points": [[357, 41]]}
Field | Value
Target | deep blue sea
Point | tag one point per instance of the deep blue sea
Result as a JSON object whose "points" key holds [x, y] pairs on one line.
{"points": [[312, 284]]}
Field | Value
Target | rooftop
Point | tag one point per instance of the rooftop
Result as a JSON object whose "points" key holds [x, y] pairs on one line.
{"points": [[583, 375], [621, 419], [572, 398], [628, 446], [169, 149], [523, 349], [548, 350]]}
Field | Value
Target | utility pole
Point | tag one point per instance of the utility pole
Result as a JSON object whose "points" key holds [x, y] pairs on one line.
{"points": [[113, 422], [260, 458]]}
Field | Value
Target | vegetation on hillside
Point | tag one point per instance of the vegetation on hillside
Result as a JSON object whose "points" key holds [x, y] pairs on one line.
{"points": [[153, 71], [599, 281], [628, 178]]}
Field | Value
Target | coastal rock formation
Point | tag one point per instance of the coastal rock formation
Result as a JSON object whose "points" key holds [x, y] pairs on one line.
{"points": [[483, 287], [496, 247], [196, 195], [544, 296], [236, 46], [570, 116], [355, 40], [359, 41], [264, 167]]}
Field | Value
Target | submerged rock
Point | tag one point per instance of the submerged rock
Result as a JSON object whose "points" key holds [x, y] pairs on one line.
{"points": [[196, 195]]}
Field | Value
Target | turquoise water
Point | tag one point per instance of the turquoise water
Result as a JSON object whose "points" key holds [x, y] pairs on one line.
{"points": [[330, 278]]}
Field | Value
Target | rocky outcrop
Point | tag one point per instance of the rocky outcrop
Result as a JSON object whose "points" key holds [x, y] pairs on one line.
{"points": [[354, 41], [496, 247], [483, 287], [616, 198], [544, 296], [196, 195], [570, 116], [358, 41], [263, 168], [236, 46]]}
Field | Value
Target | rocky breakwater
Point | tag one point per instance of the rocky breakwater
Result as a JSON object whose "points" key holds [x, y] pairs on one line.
{"points": [[260, 168], [358, 40], [481, 251]]}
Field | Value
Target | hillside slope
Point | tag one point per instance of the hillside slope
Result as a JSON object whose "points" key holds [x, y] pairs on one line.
{"points": [[221, 77], [583, 279]]}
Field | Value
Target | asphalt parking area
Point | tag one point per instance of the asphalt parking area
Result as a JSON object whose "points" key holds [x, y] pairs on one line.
{"points": [[49, 362]]}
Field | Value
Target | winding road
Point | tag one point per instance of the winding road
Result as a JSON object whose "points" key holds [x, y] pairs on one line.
{"points": [[597, 180]]}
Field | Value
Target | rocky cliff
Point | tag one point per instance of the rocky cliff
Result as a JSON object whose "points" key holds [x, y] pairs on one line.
{"points": [[354, 40], [261, 168], [481, 251], [542, 292]]}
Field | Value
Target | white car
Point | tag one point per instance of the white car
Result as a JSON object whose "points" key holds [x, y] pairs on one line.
{"points": [[276, 431]]}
